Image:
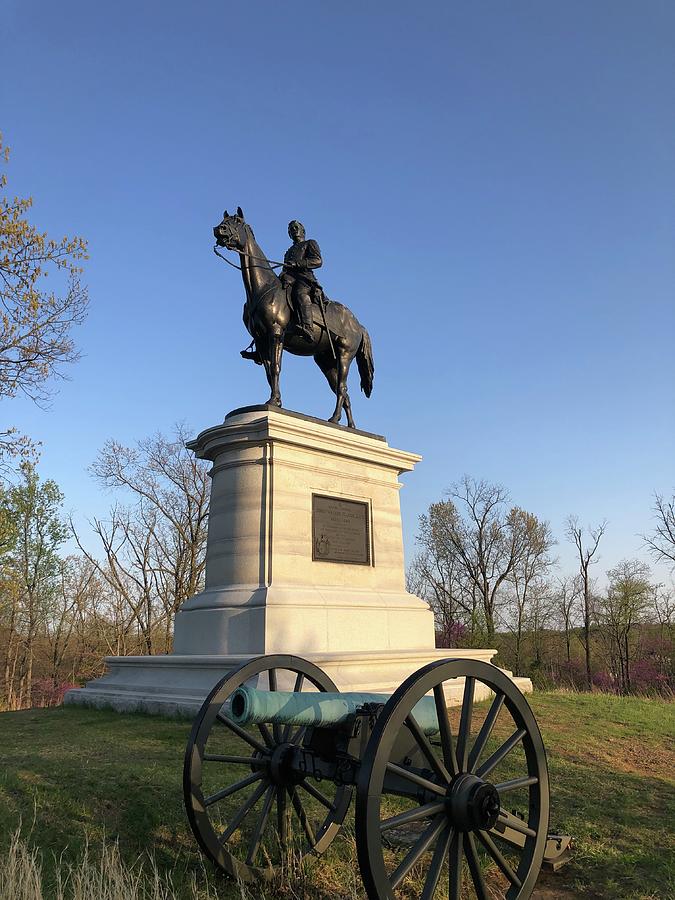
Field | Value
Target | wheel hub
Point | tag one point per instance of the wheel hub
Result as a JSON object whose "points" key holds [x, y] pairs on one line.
{"points": [[282, 771], [473, 804]]}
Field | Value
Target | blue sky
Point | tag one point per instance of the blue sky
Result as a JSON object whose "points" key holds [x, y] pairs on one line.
{"points": [[492, 186]]}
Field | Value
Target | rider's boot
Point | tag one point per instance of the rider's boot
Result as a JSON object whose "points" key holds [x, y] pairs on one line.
{"points": [[251, 352], [306, 327], [253, 355]]}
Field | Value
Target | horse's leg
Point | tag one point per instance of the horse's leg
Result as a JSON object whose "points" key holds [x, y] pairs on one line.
{"points": [[341, 389], [265, 351], [329, 369], [348, 407], [276, 342], [341, 385]]}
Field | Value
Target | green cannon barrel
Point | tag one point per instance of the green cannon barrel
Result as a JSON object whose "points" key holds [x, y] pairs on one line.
{"points": [[249, 706]]}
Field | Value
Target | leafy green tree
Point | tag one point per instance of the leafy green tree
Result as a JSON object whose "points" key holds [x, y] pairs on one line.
{"points": [[31, 573], [625, 606], [35, 321]]}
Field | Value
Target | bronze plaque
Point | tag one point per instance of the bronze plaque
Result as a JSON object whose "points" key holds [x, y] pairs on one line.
{"points": [[340, 530]]}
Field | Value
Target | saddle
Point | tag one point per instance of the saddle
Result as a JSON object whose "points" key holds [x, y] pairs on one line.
{"points": [[318, 297], [317, 294]]}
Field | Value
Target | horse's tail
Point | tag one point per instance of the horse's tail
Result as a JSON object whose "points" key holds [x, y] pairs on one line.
{"points": [[364, 360]]}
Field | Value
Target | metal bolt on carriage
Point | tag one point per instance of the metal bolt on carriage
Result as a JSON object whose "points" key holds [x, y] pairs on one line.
{"points": [[449, 802]]}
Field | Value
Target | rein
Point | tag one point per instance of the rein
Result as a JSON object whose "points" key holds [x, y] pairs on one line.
{"points": [[235, 266], [270, 263]]}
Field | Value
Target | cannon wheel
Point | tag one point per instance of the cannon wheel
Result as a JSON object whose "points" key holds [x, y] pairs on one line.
{"points": [[458, 805], [242, 840]]}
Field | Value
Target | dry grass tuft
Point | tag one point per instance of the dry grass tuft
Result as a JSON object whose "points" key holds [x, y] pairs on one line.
{"points": [[101, 877], [20, 872]]}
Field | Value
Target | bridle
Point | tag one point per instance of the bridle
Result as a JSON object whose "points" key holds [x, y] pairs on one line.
{"points": [[270, 262]]}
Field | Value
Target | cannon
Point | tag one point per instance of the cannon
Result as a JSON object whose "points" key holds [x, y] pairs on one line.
{"points": [[450, 801]]}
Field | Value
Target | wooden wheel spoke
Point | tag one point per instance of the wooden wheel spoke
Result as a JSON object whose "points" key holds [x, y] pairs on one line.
{"points": [[412, 815], [474, 867], [447, 743], [486, 731], [261, 824], [232, 789], [499, 754], [302, 815], [297, 687], [299, 735], [498, 857], [314, 792], [516, 783], [455, 867], [425, 841], [416, 779], [427, 749], [437, 860], [240, 732], [270, 742], [517, 824], [276, 729], [465, 723], [235, 760], [242, 813]]}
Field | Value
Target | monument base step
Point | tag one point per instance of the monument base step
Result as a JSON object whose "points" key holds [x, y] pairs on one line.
{"points": [[177, 685]]}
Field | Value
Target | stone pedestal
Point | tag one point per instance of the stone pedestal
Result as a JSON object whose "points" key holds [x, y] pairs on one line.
{"points": [[304, 556], [265, 592]]}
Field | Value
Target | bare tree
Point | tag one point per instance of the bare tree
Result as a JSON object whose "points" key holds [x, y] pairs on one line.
{"points": [[565, 601], [155, 547], [440, 578], [663, 609], [527, 579], [74, 632], [586, 551], [538, 617], [661, 541], [473, 541], [127, 538]]}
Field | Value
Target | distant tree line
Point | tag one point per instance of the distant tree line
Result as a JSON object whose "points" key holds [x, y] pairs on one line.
{"points": [[62, 613], [487, 569]]}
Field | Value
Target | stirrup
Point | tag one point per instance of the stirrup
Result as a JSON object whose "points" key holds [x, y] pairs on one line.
{"points": [[305, 331], [251, 354]]}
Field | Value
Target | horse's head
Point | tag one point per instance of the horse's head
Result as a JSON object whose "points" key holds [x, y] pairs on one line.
{"points": [[232, 232]]}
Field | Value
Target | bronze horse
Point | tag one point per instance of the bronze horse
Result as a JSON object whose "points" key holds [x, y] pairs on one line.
{"points": [[268, 315]]}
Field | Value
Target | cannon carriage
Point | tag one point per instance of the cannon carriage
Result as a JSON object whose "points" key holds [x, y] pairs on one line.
{"points": [[449, 802]]}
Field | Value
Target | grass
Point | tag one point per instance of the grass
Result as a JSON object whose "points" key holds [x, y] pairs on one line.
{"points": [[77, 781]]}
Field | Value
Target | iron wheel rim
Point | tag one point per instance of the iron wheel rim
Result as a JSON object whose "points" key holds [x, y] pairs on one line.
{"points": [[196, 805], [370, 845]]}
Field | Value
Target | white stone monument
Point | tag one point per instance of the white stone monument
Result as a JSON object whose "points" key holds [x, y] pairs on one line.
{"points": [[304, 556]]}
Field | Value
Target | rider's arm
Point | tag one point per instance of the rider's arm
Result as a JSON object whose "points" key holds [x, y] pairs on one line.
{"points": [[312, 259]]}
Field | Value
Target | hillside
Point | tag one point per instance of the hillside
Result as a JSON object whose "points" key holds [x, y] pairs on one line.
{"points": [[71, 776]]}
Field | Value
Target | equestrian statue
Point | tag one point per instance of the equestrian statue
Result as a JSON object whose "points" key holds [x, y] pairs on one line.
{"points": [[291, 312]]}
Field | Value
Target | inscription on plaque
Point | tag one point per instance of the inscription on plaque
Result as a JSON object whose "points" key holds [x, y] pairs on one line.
{"points": [[340, 530]]}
